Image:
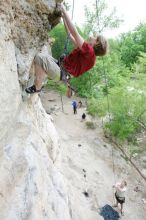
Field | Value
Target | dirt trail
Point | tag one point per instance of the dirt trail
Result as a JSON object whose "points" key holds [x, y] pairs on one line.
{"points": [[86, 163]]}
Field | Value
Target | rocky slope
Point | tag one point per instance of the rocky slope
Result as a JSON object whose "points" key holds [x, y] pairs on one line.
{"points": [[30, 185], [89, 163]]}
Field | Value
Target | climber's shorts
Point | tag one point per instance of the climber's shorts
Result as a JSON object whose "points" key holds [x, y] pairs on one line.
{"points": [[120, 200], [49, 65]]}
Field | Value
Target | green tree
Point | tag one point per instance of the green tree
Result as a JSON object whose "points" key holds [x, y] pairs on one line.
{"points": [[100, 18], [132, 43], [128, 113], [140, 66]]}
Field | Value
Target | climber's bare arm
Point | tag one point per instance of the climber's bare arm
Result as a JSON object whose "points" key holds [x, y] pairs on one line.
{"points": [[72, 29], [69, 34]]}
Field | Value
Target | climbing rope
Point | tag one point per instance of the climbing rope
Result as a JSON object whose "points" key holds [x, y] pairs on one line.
{"points": [[65, 52], [106, 85], [109, 116], [107, 97]]}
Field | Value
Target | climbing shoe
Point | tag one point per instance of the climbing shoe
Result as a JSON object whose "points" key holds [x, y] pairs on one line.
{"points": [[32, 90]]}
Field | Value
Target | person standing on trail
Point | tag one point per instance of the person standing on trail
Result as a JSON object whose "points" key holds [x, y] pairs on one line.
{"points": [[120, 194], [83, 116], [79, 61], [74, 104], [80, 104]]}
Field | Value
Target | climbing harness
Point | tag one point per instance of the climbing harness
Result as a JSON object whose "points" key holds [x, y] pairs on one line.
{"points": [[65, 77]]}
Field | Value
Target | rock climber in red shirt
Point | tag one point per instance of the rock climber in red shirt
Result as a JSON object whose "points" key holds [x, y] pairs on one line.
{"points": [[79, 61]]}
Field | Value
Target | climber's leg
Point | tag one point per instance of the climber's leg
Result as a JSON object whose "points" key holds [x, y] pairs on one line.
{"points": [[49, 65], [45, 66], [40, 76]]}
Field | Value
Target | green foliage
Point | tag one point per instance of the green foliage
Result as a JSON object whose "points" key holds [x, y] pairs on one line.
{"points": [[60, 36], [92, 106], [126, 114], [140, 66], [84, 84], [132, 43], [138, 77], [56, 86], [90, 125], [101, 19], [97, 107]]}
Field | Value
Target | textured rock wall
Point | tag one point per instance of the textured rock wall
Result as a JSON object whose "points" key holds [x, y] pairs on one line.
{"points": [[30, 185], [24, 27]]}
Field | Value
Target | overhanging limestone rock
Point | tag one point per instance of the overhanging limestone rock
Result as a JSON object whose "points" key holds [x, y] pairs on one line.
{"points": [[30, 185], [24, 29]]}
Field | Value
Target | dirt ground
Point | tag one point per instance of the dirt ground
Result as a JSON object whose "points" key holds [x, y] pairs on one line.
{"points": [[89, 163]]}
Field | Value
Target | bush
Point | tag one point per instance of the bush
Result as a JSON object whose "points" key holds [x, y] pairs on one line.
{"points": [[122, 128], [97, 107], [56, 86], [126, 113], [90, 125]]}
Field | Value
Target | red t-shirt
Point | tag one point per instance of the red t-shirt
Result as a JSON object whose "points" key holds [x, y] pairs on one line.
{"points": [[80, 60]]}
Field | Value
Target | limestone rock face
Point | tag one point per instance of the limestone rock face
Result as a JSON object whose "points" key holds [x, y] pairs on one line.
{"points": [[30, 185], [27, 23]]}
